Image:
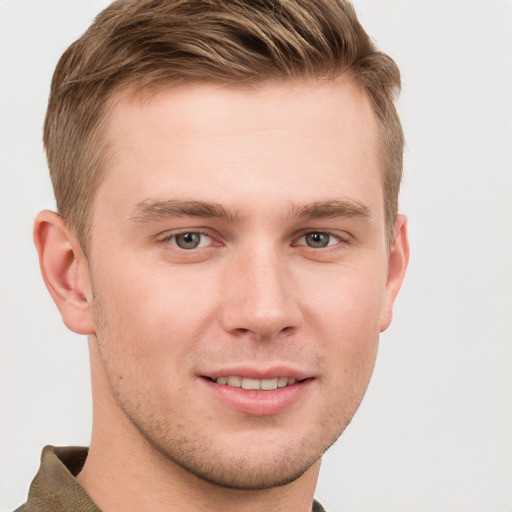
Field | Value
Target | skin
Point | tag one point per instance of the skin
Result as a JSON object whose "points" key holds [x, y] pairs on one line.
{"points": [[262, 178]]}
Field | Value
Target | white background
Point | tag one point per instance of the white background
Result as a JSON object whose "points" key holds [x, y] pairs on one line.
{"points": [[434, 433]]}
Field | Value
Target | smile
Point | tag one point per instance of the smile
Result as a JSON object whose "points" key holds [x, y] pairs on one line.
{"points": [[256, 384], [263, 396]]}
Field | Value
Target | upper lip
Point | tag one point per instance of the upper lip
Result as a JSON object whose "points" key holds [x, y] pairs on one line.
{"points": [[258, 373]]}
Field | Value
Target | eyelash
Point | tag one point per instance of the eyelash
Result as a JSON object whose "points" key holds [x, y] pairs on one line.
{"points": [[339, 239], [168, 238], [204, 233]]}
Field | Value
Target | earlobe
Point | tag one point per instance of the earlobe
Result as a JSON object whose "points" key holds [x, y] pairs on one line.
{"points": [[65, 271], [398, 260]]}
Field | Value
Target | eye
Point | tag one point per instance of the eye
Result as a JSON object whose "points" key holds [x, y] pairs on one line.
{"points": [[190, 240], [318, 239]]}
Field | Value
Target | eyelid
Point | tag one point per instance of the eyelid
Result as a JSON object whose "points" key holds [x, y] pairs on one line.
{"points": [[170, 235], [342, 238]]}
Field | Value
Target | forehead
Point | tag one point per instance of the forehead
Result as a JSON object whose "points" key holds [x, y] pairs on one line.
{"points": [[304, 140], [334, 106]]}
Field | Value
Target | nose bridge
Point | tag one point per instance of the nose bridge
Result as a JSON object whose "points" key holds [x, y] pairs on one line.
{"points": [[260, 297]]}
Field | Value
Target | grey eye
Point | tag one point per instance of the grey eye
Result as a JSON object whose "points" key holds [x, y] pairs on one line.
{"points": [[188, 240], [317, 240]]}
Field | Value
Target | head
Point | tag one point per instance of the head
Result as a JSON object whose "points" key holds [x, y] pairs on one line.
{"points": [[227, 173], [146, 46]]}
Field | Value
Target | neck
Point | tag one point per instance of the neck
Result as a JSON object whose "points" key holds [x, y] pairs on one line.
{"points": [[125, 472]]}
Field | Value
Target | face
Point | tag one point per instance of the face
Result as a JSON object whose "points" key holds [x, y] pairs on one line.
{"points": [[240, 273]]}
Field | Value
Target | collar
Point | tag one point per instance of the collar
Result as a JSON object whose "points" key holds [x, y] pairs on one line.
{"points": [[55, 487]]}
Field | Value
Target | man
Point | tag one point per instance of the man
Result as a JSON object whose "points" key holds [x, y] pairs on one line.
{"points": [[227, 177]]}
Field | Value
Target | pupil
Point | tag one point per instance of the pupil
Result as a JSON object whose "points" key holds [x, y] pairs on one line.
{"points": [[318, 239], [188, 240]]}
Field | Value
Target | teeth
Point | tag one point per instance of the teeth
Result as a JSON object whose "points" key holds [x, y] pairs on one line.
{"points": [[282, 382], [236, 382], [256, 384], [268, 384], [251, 383]]}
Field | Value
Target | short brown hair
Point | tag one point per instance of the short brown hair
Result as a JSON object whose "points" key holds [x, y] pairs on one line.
{"points": [[144, 44]]}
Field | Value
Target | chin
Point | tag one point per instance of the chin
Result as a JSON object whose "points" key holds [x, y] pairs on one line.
{"points": [[247, 473], [256, 467]]}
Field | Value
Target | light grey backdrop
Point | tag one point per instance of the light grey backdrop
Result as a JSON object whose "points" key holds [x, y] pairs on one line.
{"points": [[434, 433]]}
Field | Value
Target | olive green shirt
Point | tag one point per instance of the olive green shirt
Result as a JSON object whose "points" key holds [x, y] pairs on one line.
{"points": [[55, 489]]}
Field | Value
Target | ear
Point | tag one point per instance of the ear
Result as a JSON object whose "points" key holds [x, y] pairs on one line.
{"points": [[65, 271], [398, 260]]}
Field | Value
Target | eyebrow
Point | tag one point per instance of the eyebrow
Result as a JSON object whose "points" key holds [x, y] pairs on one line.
{"points": [[347, 208], [153, 211]]}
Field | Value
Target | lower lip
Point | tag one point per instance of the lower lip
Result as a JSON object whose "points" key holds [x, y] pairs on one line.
{"points": [[258, 403]]}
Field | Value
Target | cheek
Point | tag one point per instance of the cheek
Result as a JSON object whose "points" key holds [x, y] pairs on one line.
{"points": [[153, 314], [349, 298], [346, 315]]}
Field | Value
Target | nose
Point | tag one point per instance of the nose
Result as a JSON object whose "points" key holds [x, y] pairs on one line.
{"points": [[260, 297]]}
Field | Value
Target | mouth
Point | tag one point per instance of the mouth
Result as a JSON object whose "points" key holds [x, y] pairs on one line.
{"points": [[249, 383], [269, 394]]}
